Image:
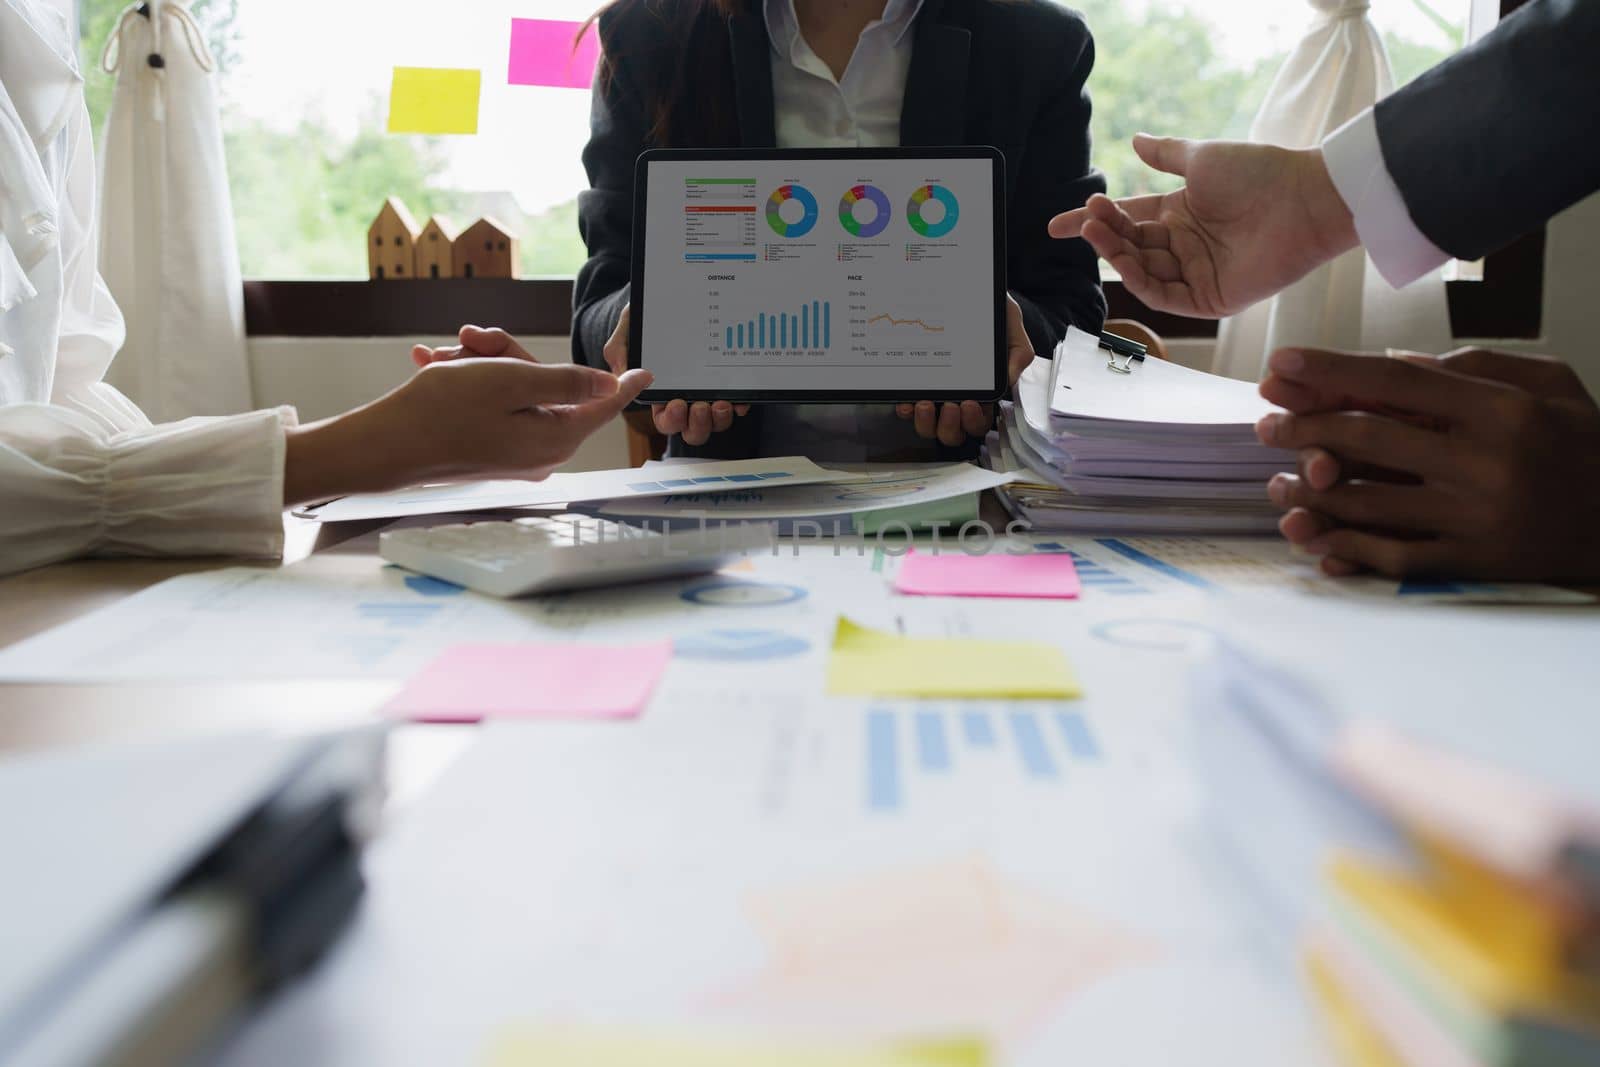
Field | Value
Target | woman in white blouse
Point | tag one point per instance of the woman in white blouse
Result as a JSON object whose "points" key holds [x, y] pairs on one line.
{"points": [[82, 471]]}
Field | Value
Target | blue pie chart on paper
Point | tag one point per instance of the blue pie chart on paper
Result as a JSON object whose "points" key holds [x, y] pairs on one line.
{"points": [[730, 593], [741, 646]]}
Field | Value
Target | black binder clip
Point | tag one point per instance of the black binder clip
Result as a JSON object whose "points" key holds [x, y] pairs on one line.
{"points": [[1123, 353]]}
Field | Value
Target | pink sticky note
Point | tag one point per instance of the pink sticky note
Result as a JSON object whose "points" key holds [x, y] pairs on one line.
{"points": [[954, 573], [534, 681], [542, 53]]}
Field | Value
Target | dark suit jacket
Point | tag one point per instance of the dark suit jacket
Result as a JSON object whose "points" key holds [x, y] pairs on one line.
{"points": [[1006, 73], [1504, 134]]}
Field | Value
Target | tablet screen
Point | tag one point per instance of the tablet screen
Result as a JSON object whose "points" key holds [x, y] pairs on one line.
{"points": [[829, 278]]}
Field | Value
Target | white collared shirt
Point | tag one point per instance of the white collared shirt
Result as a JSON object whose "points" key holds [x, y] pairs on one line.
{"points": [[813, 109], [1354, 157], [82, 471], [860, 110]]}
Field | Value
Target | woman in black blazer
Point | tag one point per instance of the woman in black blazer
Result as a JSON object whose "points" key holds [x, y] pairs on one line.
{"points": [[707, 74]]}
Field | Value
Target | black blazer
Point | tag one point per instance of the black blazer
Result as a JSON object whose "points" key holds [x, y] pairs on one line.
{"points": [[1006, 73], [1502, 135]]}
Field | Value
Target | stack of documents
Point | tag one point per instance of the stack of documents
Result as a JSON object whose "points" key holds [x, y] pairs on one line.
{"points": [[862, 499], [1434, 863], [1149, 446]]}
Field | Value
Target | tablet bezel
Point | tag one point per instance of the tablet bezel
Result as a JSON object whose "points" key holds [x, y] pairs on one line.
{"points": [[638, 304]]}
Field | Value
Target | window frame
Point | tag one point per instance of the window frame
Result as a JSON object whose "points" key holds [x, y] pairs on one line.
{"points": [[1508, 302]]}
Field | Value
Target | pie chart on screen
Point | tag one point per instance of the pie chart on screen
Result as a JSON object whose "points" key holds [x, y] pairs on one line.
{"points": [[933, 211], [791, 211], [864, 211]]}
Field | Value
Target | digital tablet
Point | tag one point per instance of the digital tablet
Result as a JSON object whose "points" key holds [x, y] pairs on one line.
{"points": [[820, 275]]}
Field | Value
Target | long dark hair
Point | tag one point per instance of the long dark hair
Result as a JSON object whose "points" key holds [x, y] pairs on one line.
{"points": [[685, 73]]}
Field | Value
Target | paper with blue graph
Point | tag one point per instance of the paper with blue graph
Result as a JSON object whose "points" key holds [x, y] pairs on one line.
{"points": [[910, 748], [1270, 566], [1026, 872], [351, 617], [889, 867]]}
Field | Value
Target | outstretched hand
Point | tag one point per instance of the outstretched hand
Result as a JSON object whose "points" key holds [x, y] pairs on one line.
{"points": [[696, 421], [1251, 220], [459, 417], [474, 342]]}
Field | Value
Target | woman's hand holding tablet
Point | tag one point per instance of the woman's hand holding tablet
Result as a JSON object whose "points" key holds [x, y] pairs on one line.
{"points": [[953, 423], [949, 423]]}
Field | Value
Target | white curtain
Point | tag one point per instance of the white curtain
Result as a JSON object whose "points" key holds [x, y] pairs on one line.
{"points": [[1338, 71], [167, 246]]}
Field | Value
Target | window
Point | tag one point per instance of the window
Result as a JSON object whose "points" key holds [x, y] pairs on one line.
{"points": [[1213, 61], [1200, 68], [304, 87]]}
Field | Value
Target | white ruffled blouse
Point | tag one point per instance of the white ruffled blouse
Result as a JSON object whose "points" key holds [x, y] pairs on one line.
{"points": [[82, 470]]}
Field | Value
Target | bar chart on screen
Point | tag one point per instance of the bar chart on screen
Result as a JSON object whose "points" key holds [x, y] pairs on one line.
{"points": [[806, 327], [912, 749]]}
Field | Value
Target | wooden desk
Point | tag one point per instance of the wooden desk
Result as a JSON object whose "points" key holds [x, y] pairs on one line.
{"points": [[38, 715]]}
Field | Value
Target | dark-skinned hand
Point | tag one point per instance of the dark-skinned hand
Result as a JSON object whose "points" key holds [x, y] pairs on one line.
{"points": [[1478, 464]]}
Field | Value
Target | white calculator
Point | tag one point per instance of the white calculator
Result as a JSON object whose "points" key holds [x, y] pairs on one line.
{"points": [[545, 554]]}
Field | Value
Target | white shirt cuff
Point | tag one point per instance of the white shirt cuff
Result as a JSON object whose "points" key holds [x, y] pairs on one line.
{"points": [[72, 486], [203, 486], [1354, 158]]}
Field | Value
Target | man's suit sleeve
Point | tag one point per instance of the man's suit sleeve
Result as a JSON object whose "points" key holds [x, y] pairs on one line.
{"points": [[1057, 283], [618, 129], [1492, 142]]}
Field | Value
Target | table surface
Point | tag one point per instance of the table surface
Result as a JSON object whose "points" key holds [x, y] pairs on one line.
{"points": [[35, 716], [45, 715]]}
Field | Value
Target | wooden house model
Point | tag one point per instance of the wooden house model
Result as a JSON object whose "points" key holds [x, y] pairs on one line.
{"points": [[436, 249], [486, 249], [392, 242]]}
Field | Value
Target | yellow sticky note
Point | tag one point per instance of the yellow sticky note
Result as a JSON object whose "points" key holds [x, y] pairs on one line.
{"points": [[434, 100], [872, 663], [604, 1048]]}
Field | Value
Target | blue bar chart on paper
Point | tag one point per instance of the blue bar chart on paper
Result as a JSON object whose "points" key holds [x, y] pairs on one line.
{"points": [[806, 328], [908, 746]]}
